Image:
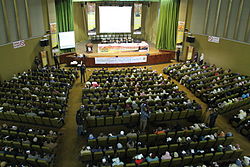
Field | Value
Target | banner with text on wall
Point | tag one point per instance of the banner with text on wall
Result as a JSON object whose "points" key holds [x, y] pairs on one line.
{"points": [[120, 60]]}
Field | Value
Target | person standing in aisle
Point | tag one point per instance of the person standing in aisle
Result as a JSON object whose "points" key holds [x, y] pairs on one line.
{"points": [[82, 71], [178, 53], [212, 118], [145, 115], [201, 59], [80, 121], [56, 61]]}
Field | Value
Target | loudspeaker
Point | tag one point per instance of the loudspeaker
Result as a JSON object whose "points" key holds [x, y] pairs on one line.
{"points": [[44, 42], [190, 39]]}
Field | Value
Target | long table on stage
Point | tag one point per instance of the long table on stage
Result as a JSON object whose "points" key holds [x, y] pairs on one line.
{"points": [[123, 47], [125, 59]]}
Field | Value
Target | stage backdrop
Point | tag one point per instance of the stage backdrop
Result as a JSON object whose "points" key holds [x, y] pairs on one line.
{"points": [[64, 16], [167, 27], [149, 21], [80, 21]]}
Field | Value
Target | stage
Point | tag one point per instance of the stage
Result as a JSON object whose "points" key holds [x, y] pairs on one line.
{"points": [[95, 59], [81, 49]]}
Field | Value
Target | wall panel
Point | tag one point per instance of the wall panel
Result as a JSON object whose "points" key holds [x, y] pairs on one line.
{"points": [[3, 37], [226, 54], [233, 17], [211, 17], [36, 17], [12, 20], [222, 18], [230, 19], [22, 19], [243, 20], [198, 16]]}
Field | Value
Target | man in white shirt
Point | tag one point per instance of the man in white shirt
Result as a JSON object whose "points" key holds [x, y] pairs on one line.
{"points": [[201, 58]]}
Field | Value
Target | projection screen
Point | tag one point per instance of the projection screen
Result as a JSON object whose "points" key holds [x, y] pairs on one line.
{"points": [[115, 19], [67, 40]]}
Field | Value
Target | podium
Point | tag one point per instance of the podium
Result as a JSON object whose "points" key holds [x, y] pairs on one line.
{"points": [[89, 48]]}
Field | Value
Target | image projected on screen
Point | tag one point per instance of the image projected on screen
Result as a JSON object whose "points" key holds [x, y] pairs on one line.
{"points": [[67, 40], [115, 19]]}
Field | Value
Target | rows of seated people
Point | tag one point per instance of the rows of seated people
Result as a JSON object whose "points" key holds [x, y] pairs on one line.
{"points": [[133, 118], [241, 121], [21, 145], [192, 145], [215, 86], [243, 161], [34, 95], [122, 92]]}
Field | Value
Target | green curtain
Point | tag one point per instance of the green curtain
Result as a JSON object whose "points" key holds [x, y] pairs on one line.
{"points": [[80, 22], [150, 22], [64, 16], [167, 24]]}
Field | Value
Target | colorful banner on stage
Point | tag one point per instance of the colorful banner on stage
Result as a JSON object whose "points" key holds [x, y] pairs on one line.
{"points": [[123, 47], [137, 18], [91, 18], [120, 60], [54, 35], [180, 31]]}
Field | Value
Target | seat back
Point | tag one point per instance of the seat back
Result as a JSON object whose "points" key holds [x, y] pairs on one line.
{"points": [[151, 139], [154, 164], [161, 138], [97, 156], [197, 159], [218, 156], [131, 152], [176, 162], [165, 163], [187, 160], [208, 157], [162, 149], [100, 121], [153, 150], [102, 141]]}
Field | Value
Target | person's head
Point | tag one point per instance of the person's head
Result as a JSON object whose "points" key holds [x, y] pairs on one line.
{"points": [[119, 146], [152, 155], [122, 132], [104, 160]]}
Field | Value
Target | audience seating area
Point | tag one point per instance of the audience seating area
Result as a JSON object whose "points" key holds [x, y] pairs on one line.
{"points": [[114, 97], [37, 97], [241, 121], [20, 145], [215, 86], [198, 149]]}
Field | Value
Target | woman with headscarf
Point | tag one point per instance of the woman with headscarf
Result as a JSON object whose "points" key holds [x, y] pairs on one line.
{"points": [[166, 156], [152, 157]]}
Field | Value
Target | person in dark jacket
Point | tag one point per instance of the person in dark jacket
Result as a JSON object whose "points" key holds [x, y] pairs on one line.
{"points": [[56, 61], [80, 121], [82, 71], [145, 115], [212, 118], [178, 53]]}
